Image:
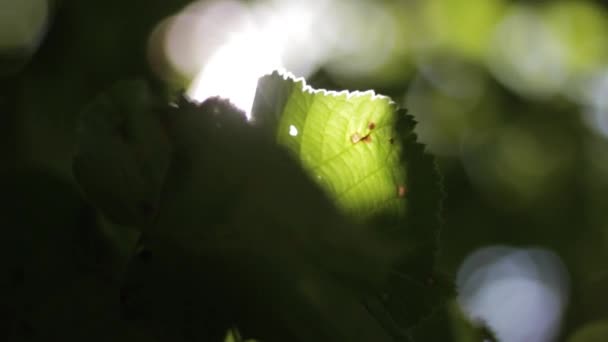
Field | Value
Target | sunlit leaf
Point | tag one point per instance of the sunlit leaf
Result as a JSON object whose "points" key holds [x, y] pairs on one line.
{"points": [[362, 150], [347, 142]]}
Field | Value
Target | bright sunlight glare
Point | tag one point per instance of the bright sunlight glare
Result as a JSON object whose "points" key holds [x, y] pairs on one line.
{"points": [[226, 57], [234, 69]]}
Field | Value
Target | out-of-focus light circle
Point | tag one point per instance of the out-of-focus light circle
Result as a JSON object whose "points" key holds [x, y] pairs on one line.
{"points": [[226, 46], [597, 119], [158, 59], [453, 77], [526, 55], [582, 27], [234, 69], [363, 38], [463, 26], [521, 163], [200, 29], [299, 27], [519, 293], [593, 96], [22, 24], [443, 97]]}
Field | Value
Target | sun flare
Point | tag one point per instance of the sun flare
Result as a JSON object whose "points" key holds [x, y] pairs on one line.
{"points": [[233, 70]]}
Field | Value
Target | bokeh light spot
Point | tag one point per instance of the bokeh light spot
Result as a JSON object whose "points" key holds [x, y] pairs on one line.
{"points": [[234, 69], [22, 24], [520, 293], [526, 55]]}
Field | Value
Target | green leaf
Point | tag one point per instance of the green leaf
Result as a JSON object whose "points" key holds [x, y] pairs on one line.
{"points": [[320, 243], [362, 150], [255, 232], [123, 153], [348, 142]]}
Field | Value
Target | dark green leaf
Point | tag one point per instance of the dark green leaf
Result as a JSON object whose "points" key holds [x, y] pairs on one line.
{"points": [[123, 153], [258, 233]]}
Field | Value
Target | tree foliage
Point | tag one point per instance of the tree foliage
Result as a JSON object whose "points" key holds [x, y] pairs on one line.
{"points": [[138, 218]]}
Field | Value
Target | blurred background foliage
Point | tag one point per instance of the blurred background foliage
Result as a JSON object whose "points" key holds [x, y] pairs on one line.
{"points": [[511, 96]]}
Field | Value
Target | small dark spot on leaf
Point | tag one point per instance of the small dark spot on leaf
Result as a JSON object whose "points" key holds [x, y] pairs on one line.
{"points": [[356, 137], [401, 191], [371, 125], [392, 140]]}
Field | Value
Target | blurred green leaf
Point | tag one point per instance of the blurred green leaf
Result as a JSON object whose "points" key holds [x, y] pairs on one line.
{"points": [[88, 47], [450, 324], [596, 331], [60, 279], [123, 153]]}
